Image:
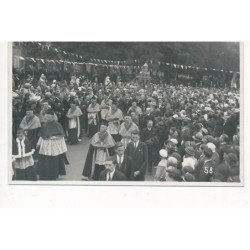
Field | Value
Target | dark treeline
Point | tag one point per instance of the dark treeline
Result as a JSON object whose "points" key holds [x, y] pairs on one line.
{"points": [[221, 55]]}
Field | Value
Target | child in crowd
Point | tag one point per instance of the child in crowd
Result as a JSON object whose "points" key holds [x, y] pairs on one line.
{"points": [[23, 163]]}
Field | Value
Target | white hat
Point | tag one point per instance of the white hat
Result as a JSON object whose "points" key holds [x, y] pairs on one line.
{"points": [[174, 141], [211, 146], [164, 153]]}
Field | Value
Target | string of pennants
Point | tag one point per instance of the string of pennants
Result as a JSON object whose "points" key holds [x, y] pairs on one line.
{"points": [[116, 64], [136, 64], [176, 66], [44, 61]]}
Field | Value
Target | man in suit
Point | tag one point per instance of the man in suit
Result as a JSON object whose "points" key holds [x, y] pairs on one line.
{"points": [[138, 151], [123, 162], [111, 173]]}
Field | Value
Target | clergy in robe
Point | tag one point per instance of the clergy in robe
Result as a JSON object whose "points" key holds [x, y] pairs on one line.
{"points": [[114, 117], [23, 162], [126, 129], [101, 147], [105, 105], [74, 126], [52, 149], [31, 124]]}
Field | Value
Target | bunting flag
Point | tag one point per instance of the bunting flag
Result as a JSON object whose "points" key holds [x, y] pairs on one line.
{"points": [[102, 61], [73, 58]]}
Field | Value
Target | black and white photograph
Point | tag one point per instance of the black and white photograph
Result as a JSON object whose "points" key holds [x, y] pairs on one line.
{"points": [[123, 113]]}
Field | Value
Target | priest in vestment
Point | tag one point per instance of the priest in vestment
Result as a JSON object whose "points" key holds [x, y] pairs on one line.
{"points": [[101, 145]]}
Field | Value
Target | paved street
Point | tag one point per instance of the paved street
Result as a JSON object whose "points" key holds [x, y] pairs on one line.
{"points": [[76, 155]]}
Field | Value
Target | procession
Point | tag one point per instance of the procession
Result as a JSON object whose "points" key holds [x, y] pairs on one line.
{"points": [[123, 121]]}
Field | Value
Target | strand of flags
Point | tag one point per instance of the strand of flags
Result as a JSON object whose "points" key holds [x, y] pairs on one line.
{"points": [[136, 64]]}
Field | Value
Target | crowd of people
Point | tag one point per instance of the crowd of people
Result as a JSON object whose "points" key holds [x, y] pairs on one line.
{"points": [[171, 132]]}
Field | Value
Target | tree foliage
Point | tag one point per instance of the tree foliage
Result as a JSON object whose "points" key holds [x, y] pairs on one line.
{"points": [[220, 55]]}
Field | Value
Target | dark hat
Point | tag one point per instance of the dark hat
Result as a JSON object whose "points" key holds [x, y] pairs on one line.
{"points": [[190, 151], [177, 156], [198, 137]]}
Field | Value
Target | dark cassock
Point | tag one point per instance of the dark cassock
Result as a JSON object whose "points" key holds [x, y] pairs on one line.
{"points": [[31, 124], [100, 148], [52, 149], [74, 126]]}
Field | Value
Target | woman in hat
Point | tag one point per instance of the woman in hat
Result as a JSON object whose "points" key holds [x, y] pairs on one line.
{"points": [[74, 127], [52, 149], [160, 174], [189, 157], [22, 158], [172, 171]]}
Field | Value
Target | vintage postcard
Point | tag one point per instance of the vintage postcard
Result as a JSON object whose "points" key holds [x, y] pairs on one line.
{"points": [[126, 113]]}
